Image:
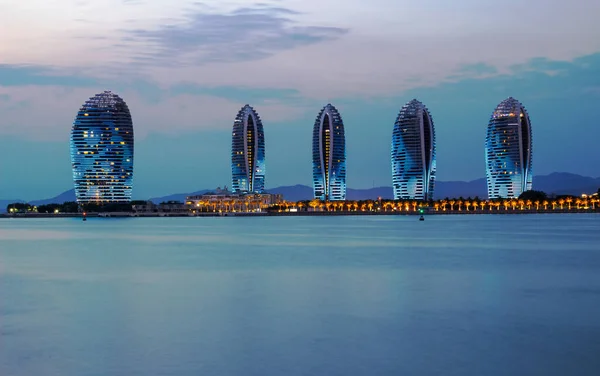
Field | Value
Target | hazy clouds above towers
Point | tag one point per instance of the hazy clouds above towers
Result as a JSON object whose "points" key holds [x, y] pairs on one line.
{"points": [[380, 47], [244, 34]]}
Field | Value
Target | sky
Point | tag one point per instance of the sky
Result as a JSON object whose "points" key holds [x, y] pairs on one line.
{"points": [[185, 68]]}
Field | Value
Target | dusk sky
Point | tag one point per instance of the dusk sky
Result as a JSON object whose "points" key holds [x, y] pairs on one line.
{"points": [[185, 68]]}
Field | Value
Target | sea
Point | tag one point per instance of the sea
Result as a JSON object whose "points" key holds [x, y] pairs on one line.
{"points": [[290, 296]]}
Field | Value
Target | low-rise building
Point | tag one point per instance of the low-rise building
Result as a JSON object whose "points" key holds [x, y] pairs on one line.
{"points": [[175, 207], [144, 207], [223, 200]]}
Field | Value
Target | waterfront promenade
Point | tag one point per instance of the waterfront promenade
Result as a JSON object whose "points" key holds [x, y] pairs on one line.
{"points": [[316, 213]]}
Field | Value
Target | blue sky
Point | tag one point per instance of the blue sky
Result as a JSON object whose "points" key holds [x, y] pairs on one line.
{"points": [[185, 68]]}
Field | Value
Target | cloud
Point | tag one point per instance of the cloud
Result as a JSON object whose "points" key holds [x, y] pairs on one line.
{"points": [[248, 33], [47, 112], [321, 49]]}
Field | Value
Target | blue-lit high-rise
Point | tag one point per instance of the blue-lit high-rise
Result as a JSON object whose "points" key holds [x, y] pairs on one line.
{"points": [[102, 150], [413, 153], [247, 153], [329, 155], [508, 151]]}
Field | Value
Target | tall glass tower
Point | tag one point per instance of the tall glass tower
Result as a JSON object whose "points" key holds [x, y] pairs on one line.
{"points": [[329, 155], [102, 150], [508, 151], [413, 153], [247, 152]]}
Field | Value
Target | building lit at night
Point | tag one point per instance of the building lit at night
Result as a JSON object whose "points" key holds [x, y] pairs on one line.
{"points": [[329, 155], [508, 151], [413, 153], [248, 152], [102, 150], [222, 200]]}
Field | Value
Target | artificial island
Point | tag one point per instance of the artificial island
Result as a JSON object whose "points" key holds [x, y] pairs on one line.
{"points": [[102, 161]]}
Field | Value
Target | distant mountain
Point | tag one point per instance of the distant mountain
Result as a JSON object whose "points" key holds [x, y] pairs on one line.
{"points": [[370, 193], [558, 183], [564, 183], [178, 196], [474, 188], [63, 197], [442, 189], [294, 192]]}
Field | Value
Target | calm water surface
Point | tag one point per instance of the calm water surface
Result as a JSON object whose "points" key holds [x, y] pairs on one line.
{"points": [[454, 295]]}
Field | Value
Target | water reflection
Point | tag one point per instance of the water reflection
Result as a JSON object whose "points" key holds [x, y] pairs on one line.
{"points": [[300, 296]]}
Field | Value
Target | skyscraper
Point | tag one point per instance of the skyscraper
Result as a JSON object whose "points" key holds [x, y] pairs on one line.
{"points": [[102, 150], [247, 152], [413, 153], [329, 155], [508, 150]]}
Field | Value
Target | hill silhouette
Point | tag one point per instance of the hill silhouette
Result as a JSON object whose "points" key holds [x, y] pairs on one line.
{"points": [[558, 183]]}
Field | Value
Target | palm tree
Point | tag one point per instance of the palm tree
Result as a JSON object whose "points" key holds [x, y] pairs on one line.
{"points": [[514, 203], [521, 204], [370, 205], [561, 202], [459, 203], [444, 203], [436, 206], [578, 203], [475, 205], [506, 204], [569, 201], [528, 203], [467, 204], [537, 205], [482, 204], [452, 202]]}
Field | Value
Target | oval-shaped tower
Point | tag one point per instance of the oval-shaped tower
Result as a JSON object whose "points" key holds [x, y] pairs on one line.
{"points": [[329, 155], [102, 150], [413, 153], [247, 152], [508, 151]]}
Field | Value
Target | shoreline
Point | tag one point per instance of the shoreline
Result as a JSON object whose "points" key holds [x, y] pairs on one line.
{"points": [[296, 214]]}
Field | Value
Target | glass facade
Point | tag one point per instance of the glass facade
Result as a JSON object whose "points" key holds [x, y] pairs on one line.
{"points": [[413, 153], [508, 151], [247, 153], [329, 155], [102, 150]]}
